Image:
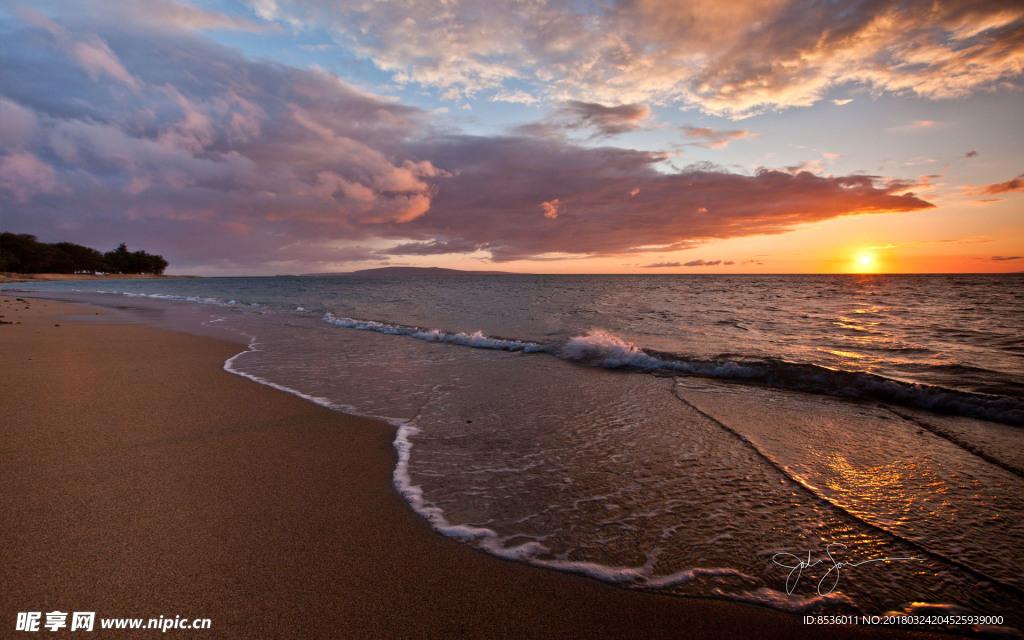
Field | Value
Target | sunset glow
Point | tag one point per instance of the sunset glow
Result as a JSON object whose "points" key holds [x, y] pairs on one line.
{"points": [[308, 136]]}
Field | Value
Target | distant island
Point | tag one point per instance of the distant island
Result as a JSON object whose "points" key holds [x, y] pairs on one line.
{"points": [[408, 271]]}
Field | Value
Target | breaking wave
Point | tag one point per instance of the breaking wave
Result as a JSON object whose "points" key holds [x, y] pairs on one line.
{"points": [[476, 339]]}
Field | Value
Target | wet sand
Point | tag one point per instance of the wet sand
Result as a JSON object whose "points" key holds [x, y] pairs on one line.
{"points": [[140, 479]]}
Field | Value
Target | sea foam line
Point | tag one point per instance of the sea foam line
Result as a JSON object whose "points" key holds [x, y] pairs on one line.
{"points": [[476, 339], [602, 348], [491, 542], [531, 552], [229, 366]]}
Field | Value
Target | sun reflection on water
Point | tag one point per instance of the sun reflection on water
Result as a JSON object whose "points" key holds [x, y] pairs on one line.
{"points": [[888, 494]]}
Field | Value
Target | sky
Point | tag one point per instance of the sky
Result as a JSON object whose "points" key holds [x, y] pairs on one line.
{"points": [[265, 137]]}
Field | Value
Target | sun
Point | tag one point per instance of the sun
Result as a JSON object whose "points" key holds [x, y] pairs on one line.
{"points": [[863, 263]]}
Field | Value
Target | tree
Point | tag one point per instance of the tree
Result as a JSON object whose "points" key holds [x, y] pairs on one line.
{"points": [[83, 259], [23, 253], [120, 260]]}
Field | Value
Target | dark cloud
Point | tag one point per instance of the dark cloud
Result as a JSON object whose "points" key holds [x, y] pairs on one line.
{"points": [[691, 263], [971, 154], [606, 120], [1017, 184], [1008, 257], [613, 201], [600, 120], [220, 163]]}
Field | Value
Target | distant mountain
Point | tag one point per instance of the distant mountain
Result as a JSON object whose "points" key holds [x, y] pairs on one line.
{"points": [[408, 271]]}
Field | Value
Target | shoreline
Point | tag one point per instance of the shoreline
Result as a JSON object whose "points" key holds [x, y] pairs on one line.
{"points": [[143, 480], [13, 278]]}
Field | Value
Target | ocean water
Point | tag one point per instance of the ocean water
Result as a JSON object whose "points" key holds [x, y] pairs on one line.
{"points": [[838, 444]]}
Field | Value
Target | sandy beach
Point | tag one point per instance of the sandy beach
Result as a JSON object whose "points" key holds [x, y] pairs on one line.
{"points": [[140, 479]]}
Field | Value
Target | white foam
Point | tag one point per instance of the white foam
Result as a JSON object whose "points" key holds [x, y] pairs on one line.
{"points": [[604, 349], [785, 602], [164, 296], [689, 575], [601, 348], [476, 339], [531, 552], [229, 366]]}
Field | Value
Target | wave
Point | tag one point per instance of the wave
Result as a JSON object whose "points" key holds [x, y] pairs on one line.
{"points": [[604, 349], [476, 339], [535, 553], [177, 298]]}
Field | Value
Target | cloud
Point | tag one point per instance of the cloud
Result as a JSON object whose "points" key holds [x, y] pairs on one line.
{"points": [[1017, 184], [917, 125], [691, 263], [707, 263], [670, 210], [89, 50], [214, 140], [734, 58], [606, 120], [17, 125], [516, 96], [161, 15], [812, 166], [601, 120], [551, 209], [1008, 258], [225, 164], [711, 139], [23, 176], [169, 14], [971, 154]]}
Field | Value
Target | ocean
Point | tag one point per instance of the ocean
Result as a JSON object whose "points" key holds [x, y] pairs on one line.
{"points": [[834, 444]]}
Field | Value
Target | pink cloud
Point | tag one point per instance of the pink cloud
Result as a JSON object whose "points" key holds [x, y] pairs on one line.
{"points": [[550, 209], [23, 176], [89, 51], [604, 219], [169, 14], [17, 124], [732, 58], [711, 139], [225, 163], [1016, 184]]}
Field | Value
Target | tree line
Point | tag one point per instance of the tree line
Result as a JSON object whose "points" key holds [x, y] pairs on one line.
{"points": [[23, 253]]}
